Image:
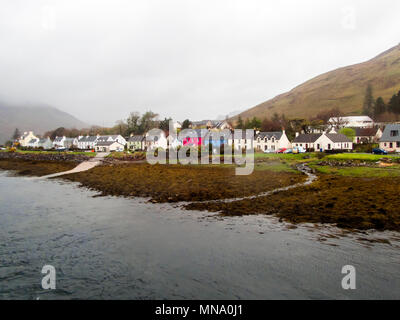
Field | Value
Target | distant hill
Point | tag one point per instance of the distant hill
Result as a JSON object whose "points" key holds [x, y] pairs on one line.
{"points": [[38, 119], [343, 88]]}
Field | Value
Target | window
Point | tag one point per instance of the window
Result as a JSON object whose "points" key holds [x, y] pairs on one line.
{"points": [[391, 145], [394, 133], [397, 144]]}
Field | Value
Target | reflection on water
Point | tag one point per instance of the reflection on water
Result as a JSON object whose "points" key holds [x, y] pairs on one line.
{"points": [[118, 248]]}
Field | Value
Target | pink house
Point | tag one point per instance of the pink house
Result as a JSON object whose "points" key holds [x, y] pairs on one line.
{"points": [[196, 140], [192, 141]]}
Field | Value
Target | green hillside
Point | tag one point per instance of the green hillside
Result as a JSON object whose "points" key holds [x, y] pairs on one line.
{"points": [[343, 88]]}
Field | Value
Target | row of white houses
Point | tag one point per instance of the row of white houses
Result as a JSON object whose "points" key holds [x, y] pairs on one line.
{"points": [[263, 141], [99, 143], [389, 140]]}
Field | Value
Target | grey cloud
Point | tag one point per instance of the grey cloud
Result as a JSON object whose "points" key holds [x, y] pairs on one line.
{"points": [[99, 60]]}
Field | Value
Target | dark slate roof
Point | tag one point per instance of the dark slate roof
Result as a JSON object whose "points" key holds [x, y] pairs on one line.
{"points": [[88, 139], [58, 139], [387, 133], [106, 137], [106, 143], [136, 139], [338, 137], [44, 140], [307, 138], [269, 135], [33, 140], [365, 132], [103, 138]]}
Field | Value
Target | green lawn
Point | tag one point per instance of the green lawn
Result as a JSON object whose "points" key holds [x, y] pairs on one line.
{"points": [[366, 172], [357, 156], [284, 156]]}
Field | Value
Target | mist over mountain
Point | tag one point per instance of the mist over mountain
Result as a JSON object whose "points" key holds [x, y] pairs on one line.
{"points": [[34, 118]]}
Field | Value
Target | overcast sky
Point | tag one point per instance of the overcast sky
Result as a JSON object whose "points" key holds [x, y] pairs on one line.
{"points": [[99, 60]]}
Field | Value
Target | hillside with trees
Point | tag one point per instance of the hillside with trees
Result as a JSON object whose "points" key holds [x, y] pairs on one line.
{"points": [[344, 88]]}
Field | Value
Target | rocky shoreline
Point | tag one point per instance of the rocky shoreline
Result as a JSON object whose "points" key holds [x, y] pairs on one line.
{"points": [[59, 157], [360, 203], [39, 164]]}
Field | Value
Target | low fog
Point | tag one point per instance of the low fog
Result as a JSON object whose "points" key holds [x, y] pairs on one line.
{"points": [[100, 60]]}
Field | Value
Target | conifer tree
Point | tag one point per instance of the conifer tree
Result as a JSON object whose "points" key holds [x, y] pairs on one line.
{"points": [[368, 106]]}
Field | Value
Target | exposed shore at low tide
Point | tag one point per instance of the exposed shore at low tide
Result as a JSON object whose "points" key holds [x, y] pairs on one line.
{"points": [[350, 202], [35, 168]]}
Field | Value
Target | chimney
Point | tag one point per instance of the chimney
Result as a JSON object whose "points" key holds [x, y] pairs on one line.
{"points": [[297, 134]]}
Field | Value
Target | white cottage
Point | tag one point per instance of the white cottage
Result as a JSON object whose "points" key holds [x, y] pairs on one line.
{"points": [[367, 135], [71, 143], [59, 142], [352, 121], [323, 142], [155, 142], [135, 143], [87, 142], [109, 146], [114, 138], [390, 140], [26, 138], [33, 143], [241, 143], [45, 143], [272, 141]]}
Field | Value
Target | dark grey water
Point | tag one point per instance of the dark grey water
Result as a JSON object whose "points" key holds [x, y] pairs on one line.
{"points": [[105, 248]]}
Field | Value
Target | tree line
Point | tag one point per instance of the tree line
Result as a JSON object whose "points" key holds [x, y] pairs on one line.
{"points": [[279, 122], [379, 109]]}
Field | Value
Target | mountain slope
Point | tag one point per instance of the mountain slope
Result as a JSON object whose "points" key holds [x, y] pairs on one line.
{"points": [[343, 88], [38, 119]]}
